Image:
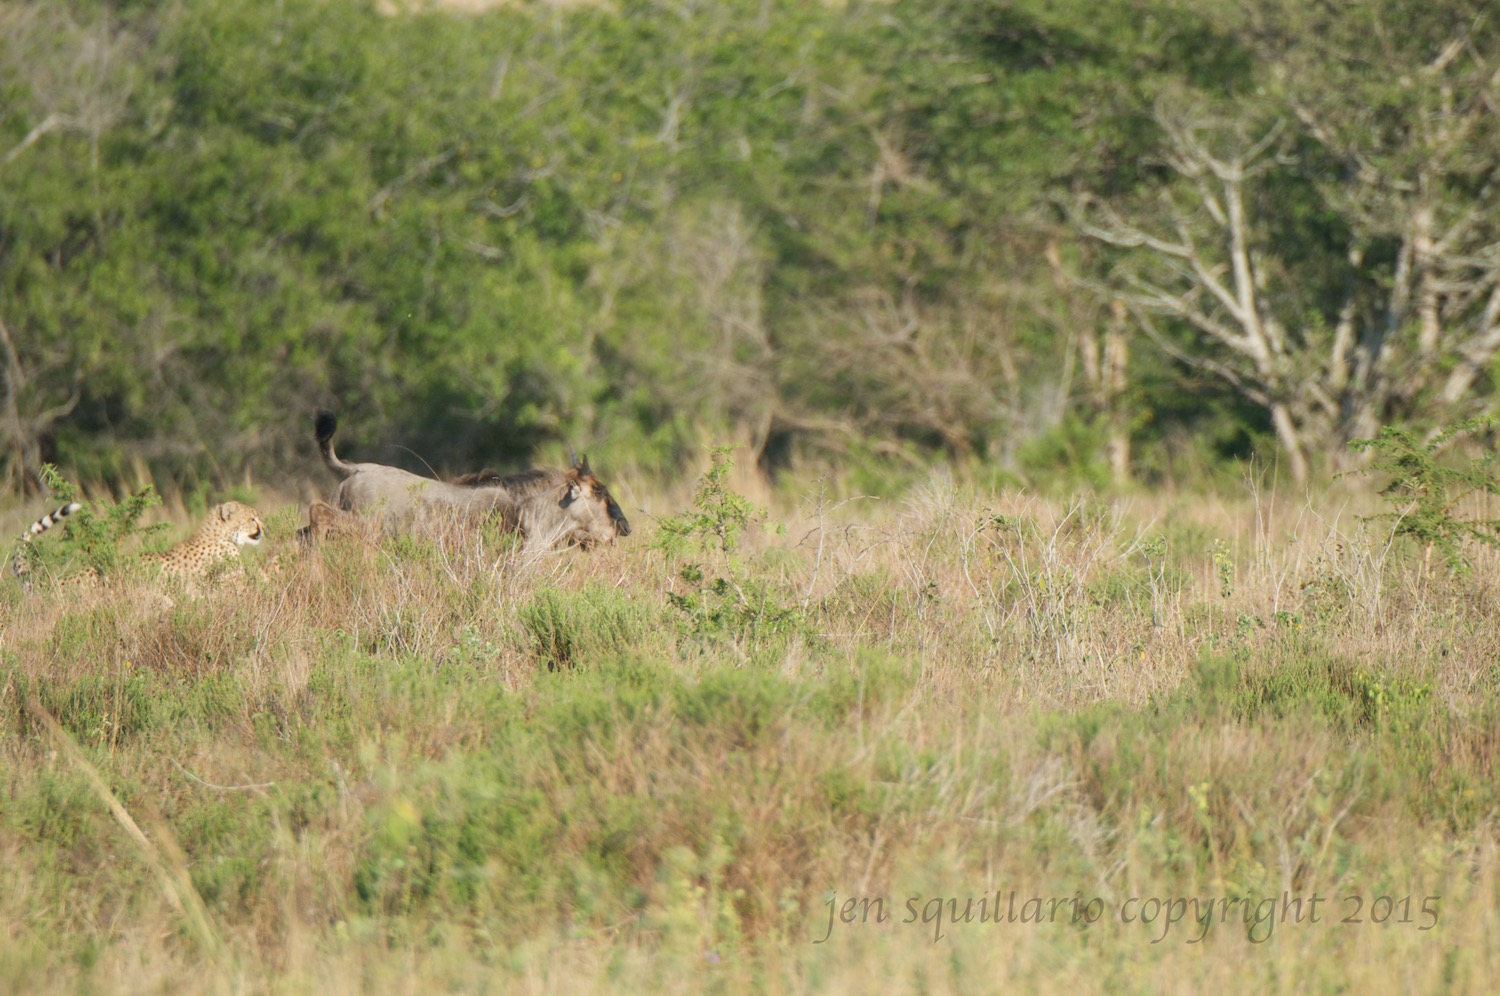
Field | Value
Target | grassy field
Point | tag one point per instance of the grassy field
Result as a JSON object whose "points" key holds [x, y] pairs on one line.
{"points": [[951, 742]]}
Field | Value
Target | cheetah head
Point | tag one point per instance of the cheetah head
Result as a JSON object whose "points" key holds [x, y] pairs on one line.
{"points": [[242, 521]]}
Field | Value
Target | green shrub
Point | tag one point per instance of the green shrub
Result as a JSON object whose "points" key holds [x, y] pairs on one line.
{"points": [[1425, 493], [93, 535], [562, 629], [720, 598]]}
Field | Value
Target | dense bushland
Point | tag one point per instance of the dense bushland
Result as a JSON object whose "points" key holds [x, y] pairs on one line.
{"points": [[1130, 237]]}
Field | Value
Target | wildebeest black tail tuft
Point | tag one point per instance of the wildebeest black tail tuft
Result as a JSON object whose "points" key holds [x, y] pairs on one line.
{"points": [[324, 425]]}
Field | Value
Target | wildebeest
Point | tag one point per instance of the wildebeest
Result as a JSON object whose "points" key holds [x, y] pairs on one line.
{"points": [[324, 520], [549, 507]]}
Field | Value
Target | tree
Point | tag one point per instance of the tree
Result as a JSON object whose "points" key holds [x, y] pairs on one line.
{"points": [[1200, 266], [1331, 250], [68, 79], [1402, 96]]}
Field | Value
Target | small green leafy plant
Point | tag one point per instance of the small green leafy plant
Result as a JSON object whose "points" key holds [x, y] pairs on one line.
{"points": [[1425, 493], [94, 534], [718, 516], [1224, 563], [718, 596]]}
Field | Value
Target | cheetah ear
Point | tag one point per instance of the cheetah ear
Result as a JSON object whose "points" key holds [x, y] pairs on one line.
{"points": [[227, 509]]}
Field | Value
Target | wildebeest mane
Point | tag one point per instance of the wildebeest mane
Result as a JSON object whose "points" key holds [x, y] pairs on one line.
{"points": [[524, 480]]}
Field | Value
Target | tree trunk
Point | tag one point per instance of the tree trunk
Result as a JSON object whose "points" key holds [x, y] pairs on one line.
{"points": [[21, 434], [1291, 442], [24, 456], [1116, 380]]}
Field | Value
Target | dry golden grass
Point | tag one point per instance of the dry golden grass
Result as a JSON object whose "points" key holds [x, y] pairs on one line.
{"points": [[455, 764]]}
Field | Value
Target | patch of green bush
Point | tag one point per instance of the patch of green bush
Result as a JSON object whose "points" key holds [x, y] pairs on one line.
{"points": [[561, 629]]}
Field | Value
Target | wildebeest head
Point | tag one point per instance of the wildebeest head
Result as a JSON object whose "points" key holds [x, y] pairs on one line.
{"points": [[594, 515], [589, 502]]}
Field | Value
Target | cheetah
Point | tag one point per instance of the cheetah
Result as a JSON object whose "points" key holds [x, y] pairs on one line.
{"points": [[217, 541]]}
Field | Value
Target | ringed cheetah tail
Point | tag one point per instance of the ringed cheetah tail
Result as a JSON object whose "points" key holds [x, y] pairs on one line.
{"points": [[18, 564]]}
